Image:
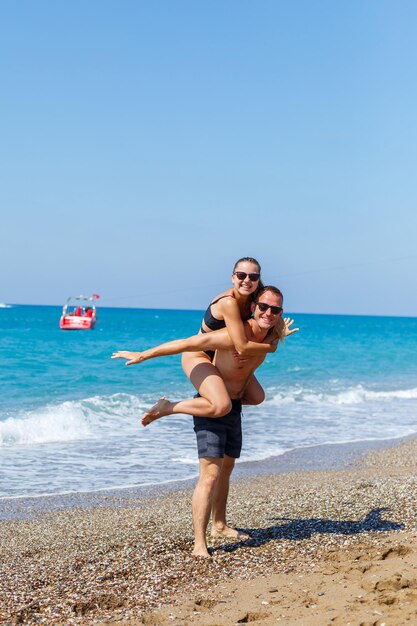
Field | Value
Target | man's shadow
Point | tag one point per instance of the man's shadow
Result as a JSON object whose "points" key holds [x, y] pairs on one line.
{"points": [[298, 529]]}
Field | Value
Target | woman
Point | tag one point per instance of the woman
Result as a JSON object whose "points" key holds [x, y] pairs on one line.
{"points": [[227, 310]]}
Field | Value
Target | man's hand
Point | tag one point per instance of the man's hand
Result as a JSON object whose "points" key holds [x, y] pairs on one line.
{"points": [[132, 357], [288, 322]]}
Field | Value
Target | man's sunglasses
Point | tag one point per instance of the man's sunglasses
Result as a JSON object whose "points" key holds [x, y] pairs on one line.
{"points": [[242, 276], [275, 310]]}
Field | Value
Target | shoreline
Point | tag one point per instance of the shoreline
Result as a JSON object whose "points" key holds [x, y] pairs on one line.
{"points": [[328, 547], [322, 457]]}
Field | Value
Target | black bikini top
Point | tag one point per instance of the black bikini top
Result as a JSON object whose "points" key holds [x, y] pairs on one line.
{"points": [[212, 322]]}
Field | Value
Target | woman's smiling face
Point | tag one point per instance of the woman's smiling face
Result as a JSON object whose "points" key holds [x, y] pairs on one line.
{"points": [[245, 277]]}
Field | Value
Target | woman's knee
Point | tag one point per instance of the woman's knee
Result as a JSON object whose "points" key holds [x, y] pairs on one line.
{"points": [[259, 397], [213, 389], [254, 397], [221, 407]]}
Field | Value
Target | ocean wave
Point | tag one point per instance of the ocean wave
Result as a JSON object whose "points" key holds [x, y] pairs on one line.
{"points": [[63, 423], [188, 460], [353, 395], [71, 420]]}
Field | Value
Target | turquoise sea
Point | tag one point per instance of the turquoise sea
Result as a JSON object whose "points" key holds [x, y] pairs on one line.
{"points": [[69, 414]]}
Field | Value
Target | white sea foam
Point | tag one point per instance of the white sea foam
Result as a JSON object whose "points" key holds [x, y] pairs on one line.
{"points": [[62, 423], [186, 460], [70, 421], [353, 395]]}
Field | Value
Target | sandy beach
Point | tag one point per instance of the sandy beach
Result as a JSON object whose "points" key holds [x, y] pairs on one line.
{"points": [[327, 547]]}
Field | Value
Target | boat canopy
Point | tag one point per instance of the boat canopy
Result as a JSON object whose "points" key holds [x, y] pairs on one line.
{"points": [[95, 296]]}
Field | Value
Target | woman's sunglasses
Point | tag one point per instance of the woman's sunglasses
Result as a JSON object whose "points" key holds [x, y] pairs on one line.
{"points": [[275, 310], [242, 276]]}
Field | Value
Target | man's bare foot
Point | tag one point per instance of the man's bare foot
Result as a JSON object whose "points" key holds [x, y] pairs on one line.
{"points": [[201, 552], [229, 533], [160, 409]]}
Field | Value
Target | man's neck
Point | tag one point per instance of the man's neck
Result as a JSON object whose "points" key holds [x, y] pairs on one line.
{"points": [[258, 333]]}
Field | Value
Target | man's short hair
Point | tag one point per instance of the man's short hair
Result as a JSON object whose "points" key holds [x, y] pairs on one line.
{"points": [[271, 288]]}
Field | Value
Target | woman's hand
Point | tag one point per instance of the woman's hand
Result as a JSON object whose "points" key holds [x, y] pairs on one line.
{"points": [[239, 360], [132, 357], [288, 322]]}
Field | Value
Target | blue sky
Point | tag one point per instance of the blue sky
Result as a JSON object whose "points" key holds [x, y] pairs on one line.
{"points": [[146, 146]]}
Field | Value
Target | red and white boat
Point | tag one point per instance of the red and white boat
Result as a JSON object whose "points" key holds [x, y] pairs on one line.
{"points": [[78, 313]]}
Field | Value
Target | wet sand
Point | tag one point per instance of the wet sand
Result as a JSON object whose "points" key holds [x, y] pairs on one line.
{"points": [[334, 546]]}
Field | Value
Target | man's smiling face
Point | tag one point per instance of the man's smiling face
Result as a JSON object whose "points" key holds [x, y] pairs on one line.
{"points": [[265, 316]]}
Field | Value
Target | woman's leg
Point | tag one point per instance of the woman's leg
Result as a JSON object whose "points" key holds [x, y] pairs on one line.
{"points": [[254, 393], [214, 401]]}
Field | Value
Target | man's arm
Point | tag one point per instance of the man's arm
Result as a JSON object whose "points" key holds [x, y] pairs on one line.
{"points": [[215, 340]]}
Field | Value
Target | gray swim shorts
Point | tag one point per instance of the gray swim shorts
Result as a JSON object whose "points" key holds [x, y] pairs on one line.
{"points": [[217, 436]]}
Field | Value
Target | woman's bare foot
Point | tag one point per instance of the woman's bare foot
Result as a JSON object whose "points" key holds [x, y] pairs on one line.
{"points": [[160, 409], [229, 533]]}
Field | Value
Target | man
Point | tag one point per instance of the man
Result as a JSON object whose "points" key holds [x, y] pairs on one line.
{"points": [[219, 440]]}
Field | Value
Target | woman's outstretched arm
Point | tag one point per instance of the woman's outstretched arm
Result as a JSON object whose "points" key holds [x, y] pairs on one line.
{"points": [[215, 340]]}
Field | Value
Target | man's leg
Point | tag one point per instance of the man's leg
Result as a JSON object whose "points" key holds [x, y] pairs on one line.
{"points": [[210, 469], [220, 528]]}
